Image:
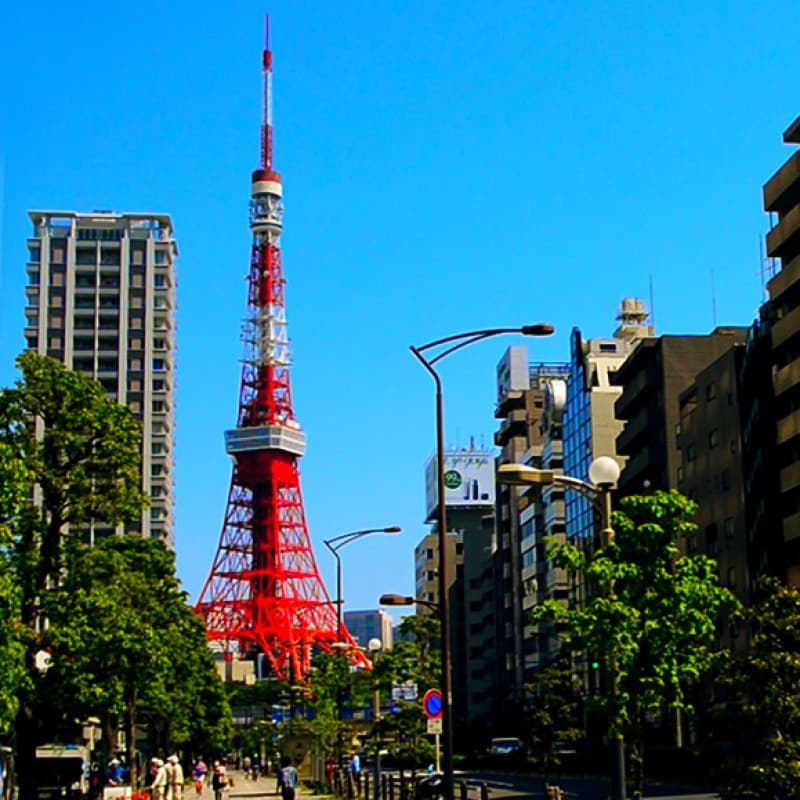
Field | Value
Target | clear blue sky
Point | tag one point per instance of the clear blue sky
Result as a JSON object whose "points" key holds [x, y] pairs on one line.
{"points": [[446, 166]]}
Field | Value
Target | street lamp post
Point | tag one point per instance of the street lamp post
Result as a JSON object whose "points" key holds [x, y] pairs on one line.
{"points": [[445, 347], [374, 646], [603, 474], [334, 545]]}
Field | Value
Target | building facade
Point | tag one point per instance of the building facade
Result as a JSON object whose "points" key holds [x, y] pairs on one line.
{"points": [[100, 298], [652, 378], [711, 471], [782, 202], [521, 390], [370, 624], [590, 425]]}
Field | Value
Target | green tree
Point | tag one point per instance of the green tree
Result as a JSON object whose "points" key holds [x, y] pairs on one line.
{"points": [[554, 700], [131, 651], [329, 691], [79, 453], [656, 629], [417, 662], [14, 482], [764, 699]]}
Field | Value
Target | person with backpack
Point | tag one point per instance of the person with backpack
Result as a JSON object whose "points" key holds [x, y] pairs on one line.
{"points": [[287, 779]]}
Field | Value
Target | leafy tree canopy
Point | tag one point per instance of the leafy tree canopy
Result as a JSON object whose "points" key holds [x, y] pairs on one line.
{"points": [[651, 613]]}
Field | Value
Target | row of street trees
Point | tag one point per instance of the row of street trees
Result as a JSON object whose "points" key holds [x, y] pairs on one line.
{"points": [[652, 624], [124, 644]]}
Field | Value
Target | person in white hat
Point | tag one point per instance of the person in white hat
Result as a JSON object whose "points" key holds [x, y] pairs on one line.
{"points": [[174, 778], [159, 785]]}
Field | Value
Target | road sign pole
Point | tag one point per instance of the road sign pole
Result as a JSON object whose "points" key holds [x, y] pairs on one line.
{"points": [[436, 759]]}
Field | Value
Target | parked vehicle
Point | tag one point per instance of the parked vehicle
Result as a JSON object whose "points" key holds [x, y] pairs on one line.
{"points": [[506, 746], [61, 772]]}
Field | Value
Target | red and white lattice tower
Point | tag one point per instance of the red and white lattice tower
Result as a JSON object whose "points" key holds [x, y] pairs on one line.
{"points": [[264, 593]]}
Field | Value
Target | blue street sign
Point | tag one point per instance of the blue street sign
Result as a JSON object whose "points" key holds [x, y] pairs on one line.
{"points": [[432, 704]]}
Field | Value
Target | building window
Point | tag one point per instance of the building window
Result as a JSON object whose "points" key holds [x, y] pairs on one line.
{"points": [[35, 254], [158, 406], [159, 365], [712, 549], [726, 480], [159, 280], [711, 391], [691, 451], [160, 256], [159, 344], [158, 385], [729, 528], [731, 577], [713, 438], [734, 446]]}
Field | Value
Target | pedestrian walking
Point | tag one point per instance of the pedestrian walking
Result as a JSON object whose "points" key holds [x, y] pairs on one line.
{"points": [[287, 779], [159, 785], [219, 781], [199, 771], [174, 778], [355, 771]]}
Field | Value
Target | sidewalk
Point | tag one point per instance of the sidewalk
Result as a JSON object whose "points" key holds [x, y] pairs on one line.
{"points": [[263, 787]]}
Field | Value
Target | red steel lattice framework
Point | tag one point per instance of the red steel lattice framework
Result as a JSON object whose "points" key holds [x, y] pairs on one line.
{"points": [[264, 593]]}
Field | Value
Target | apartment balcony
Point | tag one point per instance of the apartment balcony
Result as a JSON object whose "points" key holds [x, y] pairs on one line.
{"points": [[640, 425], [515, 424], [635, 392], [641, 461], [787, 276], [785, 327], [782, 190], [783, 241], [791, 528], [511, 400], [790, 477], [788, 427], [786, 378]]}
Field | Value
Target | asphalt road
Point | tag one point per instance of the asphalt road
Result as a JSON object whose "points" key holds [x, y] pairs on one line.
{"points": [[509, 786]]}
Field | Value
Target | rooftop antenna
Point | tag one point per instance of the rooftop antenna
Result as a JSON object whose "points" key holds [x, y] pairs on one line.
{"points": [[652, 302], [713, 299]]}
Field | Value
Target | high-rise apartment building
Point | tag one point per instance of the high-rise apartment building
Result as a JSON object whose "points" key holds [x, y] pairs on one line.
{"points": [[101, 299], [782, 200], [521, 390]]}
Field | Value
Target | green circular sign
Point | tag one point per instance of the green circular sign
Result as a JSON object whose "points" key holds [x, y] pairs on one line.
{"points": [[452, 479]]}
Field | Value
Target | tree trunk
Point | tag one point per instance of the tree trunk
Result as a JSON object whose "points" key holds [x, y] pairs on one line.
{"points": [[25, 734], [130, 743]]}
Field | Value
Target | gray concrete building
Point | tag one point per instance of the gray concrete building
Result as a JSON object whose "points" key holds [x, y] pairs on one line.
{"points": [[100, 298], [521, 389]]}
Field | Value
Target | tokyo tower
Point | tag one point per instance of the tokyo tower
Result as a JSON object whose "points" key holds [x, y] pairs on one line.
{"points": [[264, 593]]}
